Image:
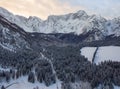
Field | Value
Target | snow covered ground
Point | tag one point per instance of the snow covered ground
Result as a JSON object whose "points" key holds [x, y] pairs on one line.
{"points": [[4, 69], [22, 83], [88, 52], [103, 53], [116, 87]]}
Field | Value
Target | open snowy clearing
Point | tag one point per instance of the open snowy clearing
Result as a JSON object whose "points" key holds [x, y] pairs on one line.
{"points": [[22, 83], [88, 52], [104, 53]]}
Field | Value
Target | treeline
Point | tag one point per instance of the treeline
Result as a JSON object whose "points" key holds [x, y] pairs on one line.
{"points": [[7, 75]]}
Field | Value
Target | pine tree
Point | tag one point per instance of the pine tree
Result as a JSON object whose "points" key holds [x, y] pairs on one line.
{"points": [[2, 87], [31, 77]]}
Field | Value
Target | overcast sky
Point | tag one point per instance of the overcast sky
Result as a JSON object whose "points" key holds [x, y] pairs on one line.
{"points": [[43, 8]]}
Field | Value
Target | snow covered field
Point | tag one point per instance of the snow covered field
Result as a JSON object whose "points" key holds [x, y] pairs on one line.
{"points": [[88, 52], [22, 83], [103, 53]]}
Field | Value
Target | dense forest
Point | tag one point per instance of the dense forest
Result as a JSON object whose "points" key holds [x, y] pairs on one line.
{"points": [[69, 65]]}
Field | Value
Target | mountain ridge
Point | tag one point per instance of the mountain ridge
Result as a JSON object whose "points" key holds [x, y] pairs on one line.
{"points": [[77, 23]]}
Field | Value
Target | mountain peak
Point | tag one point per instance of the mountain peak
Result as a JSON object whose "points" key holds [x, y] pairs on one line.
{"points": [[34, 18], [81, 12]]}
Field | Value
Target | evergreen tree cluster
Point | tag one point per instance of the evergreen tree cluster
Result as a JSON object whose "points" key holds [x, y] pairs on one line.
{"points": [[69, 65], [7, 75], [44, 72]]}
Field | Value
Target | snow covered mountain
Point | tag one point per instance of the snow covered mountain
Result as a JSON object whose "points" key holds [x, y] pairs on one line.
{"points": [[12, 37], [77, 23]]}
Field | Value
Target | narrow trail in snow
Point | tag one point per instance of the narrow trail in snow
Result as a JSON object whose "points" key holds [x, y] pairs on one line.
{"points": [[94, 55], [53, 70]]}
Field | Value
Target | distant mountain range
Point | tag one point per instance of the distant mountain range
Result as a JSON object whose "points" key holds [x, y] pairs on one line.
{"points": [[76, 23], [20, 32]]}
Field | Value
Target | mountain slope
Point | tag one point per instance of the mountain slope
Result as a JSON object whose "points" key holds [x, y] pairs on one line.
{"points": [[12, 37]]}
